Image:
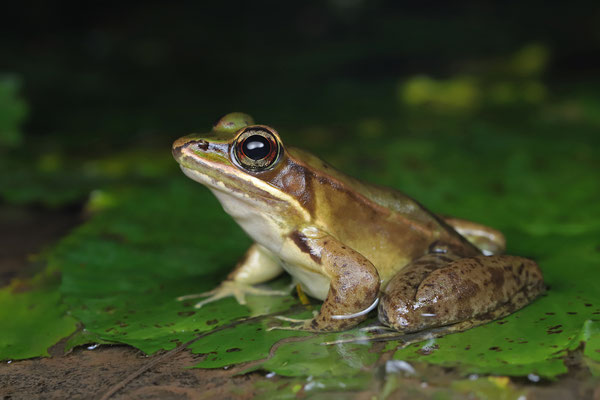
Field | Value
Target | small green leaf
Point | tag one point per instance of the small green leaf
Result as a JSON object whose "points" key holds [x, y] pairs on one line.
{"points": [[32, 321], [84, 337], [12, 112]]}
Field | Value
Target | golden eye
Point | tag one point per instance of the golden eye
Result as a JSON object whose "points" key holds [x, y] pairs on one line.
{"points": [[257, 148]]}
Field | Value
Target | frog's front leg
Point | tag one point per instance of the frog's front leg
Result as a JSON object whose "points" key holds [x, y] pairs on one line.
{"points": [[445, 289], [353, 280], [257, 266]]}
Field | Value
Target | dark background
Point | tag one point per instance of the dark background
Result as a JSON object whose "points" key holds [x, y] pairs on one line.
{"points": [[101, 70]]}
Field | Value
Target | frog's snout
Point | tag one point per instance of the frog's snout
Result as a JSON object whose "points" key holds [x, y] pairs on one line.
{"points": [[180, 144], [176, 148]]}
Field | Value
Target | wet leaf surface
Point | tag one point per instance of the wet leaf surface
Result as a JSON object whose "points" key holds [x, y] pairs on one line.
{"points": [[311, 358], [123, 271]]}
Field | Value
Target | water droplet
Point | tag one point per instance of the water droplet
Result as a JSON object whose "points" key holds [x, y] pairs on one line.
{"points": [[399, 366], [312, 385]]}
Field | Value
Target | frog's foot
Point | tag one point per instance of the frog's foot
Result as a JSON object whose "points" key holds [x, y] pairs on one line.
{"points": [[229, 289]]}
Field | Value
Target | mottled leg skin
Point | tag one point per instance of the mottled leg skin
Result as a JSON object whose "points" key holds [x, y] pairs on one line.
{"points": [[489, 240], [353, 289], [257, 266], [458, 292]]}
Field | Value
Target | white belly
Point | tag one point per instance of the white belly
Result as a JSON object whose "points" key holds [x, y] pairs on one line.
{"points": [[262, 228], [314, 284]]}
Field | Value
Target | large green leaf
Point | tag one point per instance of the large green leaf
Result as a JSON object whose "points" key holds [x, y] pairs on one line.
{"points": [[147, 244], [124, 269], [103, 285]]}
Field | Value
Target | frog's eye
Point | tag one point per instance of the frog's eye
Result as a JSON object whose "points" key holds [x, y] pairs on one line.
{"points": [[256, 148]]}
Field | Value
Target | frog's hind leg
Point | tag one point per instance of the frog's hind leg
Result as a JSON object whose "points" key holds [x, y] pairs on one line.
{"points": [[384, 333], [520, 300], [444, 290]]}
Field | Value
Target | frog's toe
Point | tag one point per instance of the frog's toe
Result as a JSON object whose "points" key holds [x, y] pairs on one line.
{"points": [[232, 289], [211, 299], [264, 291], [295, 325], [197, 295], [213, 295], [292, 320]]}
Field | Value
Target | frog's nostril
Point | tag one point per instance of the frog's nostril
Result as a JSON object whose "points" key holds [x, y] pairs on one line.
{"points": [[202, 145]]}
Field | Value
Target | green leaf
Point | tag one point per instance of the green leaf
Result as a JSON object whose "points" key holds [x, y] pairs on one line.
{"points": [[246, 342], [84, 337], [32, 321], [12, 112]]}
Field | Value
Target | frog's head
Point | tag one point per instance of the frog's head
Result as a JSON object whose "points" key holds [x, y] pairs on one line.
{"points": [[241, 160]]}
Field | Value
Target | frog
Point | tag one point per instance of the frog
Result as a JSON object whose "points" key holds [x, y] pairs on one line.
{"points": [[354, 246]]}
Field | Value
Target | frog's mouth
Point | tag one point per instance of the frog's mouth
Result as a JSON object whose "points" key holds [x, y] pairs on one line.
{"points": [[221, 179], [226, 180]]}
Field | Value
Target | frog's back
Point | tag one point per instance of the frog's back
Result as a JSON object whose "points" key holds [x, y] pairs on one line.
{"points": [[386, 226], [385, 202]]}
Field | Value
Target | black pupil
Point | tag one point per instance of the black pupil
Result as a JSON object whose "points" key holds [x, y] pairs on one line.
{"points": [[256, 147]]}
